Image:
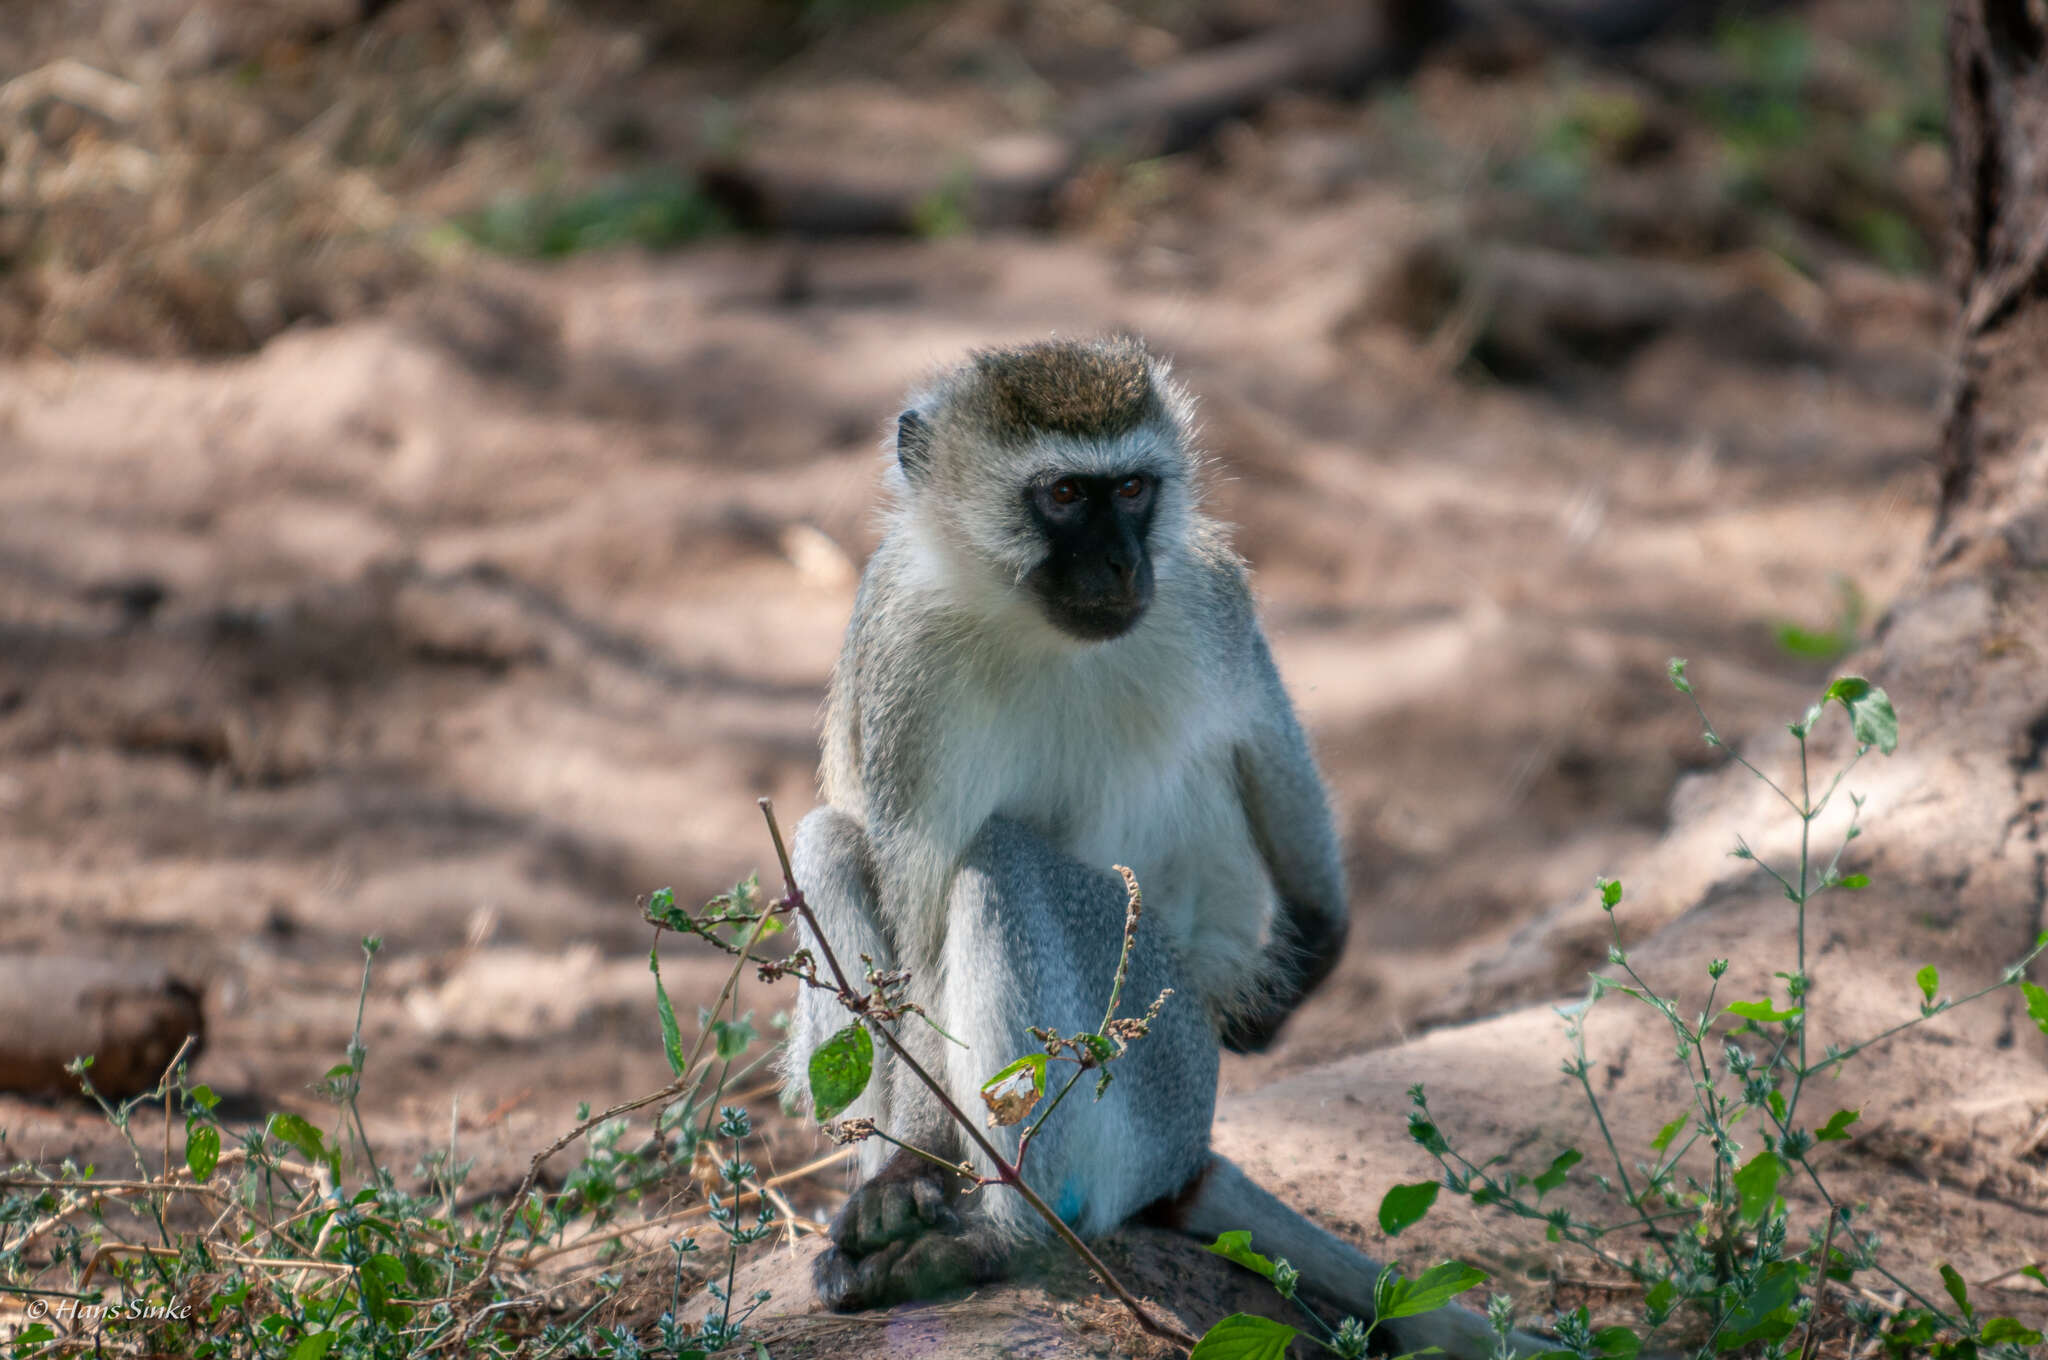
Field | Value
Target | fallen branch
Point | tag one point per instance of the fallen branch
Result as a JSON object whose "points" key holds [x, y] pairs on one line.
{"points": [[767, 1187], [1016, 181], [132, 1018], [71, 80]]}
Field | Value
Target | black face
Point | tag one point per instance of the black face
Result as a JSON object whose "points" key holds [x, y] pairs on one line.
{"points": [[1097, 579]]}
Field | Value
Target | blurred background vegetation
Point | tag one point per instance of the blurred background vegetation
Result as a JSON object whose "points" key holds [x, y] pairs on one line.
{"points": [[195, 175]]}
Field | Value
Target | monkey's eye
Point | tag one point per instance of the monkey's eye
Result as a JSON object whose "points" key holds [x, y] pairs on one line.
{"points": [[1065, 491], [1130, 488]]}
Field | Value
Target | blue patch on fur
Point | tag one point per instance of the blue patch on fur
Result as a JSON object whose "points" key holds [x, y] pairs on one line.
{"points": [[1072, 1200]]}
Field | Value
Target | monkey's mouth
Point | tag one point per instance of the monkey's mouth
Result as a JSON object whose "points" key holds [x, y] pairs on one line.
{"points": [[1091, 602], [1097, 619]]}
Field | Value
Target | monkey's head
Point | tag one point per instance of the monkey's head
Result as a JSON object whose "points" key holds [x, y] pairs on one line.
{"points": [[1062, 470]]}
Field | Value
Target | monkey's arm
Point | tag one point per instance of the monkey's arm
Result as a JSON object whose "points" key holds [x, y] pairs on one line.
{"points": [[1289, 815]]}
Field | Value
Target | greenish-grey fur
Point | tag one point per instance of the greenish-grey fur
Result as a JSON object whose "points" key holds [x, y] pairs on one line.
{"points": [[983, 769]]}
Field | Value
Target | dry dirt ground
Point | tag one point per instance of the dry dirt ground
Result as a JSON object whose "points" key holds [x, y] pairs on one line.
{"points": [[468, 621]]}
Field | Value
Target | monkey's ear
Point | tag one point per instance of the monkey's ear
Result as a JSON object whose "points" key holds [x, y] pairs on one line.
{"points": [[913, 445]]}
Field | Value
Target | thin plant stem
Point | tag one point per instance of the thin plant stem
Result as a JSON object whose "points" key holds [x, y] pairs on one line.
{"points": [[1827, 1245], [357, 1053], [1806, 816], [1024, 1139], [1620, 1166], [1134, 907]]}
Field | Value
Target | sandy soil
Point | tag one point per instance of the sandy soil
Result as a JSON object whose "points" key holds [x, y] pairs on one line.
{"points": [[469, 621]]}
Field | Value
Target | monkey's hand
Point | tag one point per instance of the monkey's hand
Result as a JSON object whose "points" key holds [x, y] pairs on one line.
{"points": [[1254, 1033], [897, 1239], [1305, 948]]}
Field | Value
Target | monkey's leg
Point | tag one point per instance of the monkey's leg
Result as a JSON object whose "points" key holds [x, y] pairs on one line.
{"points": [[1032, 938], [830, 856], [900, 1197]]}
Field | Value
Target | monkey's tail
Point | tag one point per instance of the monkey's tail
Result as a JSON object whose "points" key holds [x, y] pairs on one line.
{"points": [[1221, 1199]]}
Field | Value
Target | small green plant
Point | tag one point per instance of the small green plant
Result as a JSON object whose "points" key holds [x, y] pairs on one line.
{"points": [[948, 210], [655, 211], [288, 1239], [1836, 640], [1394, 1297], [1719, 1254]]}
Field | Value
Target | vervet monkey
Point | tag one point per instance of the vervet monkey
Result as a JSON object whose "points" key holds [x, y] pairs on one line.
{"points": [[1054, 666]]}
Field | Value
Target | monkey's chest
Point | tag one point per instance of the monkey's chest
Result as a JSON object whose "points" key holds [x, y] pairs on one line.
{"points": [[1165, 804]]}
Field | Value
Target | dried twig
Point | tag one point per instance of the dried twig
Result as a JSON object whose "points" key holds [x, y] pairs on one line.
{"points": [[536, 1258]]}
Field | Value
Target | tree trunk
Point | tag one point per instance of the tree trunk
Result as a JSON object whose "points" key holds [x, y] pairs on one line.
{"points": [[1994, 456]]}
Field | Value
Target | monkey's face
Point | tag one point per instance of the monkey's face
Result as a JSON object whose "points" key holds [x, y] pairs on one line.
{"points": [[1095, 579]]}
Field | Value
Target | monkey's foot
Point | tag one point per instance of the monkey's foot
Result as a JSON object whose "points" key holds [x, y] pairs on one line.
{"points": [[906, 1199], [898, 1239], [920, 1267]]}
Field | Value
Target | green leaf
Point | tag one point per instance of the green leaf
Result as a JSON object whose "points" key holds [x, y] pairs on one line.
{"points": [[1434, 1288], [202, 1150], [381, 1274], [292, 1130], [1929, 979], [1034, 1063], [1870, 712], [1764, 1012], [1386, 1289], [1244, 1336], [671, 1033], [1560, 1167], [661, 910], [1617, 1343], [1766, 1314], [1610, 893], [1853, 881], [1836, 1130], [731, 1037], [2037, 1003], [1662, 1142], [1957, 1290], [1237, 1246], [2035, 1274], [1757, 1183], [1404, 1205], [1817, 644], [35, 1334], [314, 1347], [839, 1072], [1910, 1326], [2002, 1329], [203, 1097]]}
